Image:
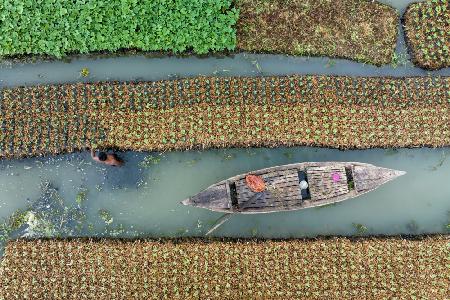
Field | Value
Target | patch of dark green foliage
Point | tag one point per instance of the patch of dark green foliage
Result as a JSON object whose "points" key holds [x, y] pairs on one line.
{"points": [[57, 27]]}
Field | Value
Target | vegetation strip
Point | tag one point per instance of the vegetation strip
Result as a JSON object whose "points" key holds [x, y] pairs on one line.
{"points": [[337, 268], [360, 30], [365, 31], [205, 112], [58, 28], [427, 27]]}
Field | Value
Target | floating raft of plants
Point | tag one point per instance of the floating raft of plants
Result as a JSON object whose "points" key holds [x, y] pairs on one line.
{"points": [[427, 27], [337, 268], [206, 112], [365, 31], [87, 26], [360, 30]]}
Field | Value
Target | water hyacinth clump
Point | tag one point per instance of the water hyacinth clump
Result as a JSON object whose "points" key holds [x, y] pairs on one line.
{"points": [[88, 26], [205, 112], [48, 216], [335, 268]]}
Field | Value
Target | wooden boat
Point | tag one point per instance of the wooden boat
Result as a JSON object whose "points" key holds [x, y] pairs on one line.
{"points": [[326, 183]]}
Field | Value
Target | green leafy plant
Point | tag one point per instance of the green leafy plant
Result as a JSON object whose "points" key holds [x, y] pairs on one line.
{"points": [[84, 72], [87, 26], [105, 216], [360, 228], [150, 160], [81, 197]]}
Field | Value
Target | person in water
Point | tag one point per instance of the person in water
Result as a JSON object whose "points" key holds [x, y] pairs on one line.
{"points": [[107, 159]]}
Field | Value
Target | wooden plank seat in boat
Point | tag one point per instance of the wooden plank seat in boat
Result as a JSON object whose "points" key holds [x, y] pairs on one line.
{"points": [[282, 190], [321, 184]]}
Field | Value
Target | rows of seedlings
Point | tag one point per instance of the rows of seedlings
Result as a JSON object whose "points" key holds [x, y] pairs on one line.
{"points": [[205, 112], [427, 27], [339, 268]]}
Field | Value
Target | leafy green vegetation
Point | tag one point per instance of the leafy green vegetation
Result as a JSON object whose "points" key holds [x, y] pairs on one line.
{"points": [[13, 223], [150, 160], [105, 216], [360, 30], [84, 72], [81, 197], [47, 216], [333, 268], [57, 28], [360, 228], [427, 27]]}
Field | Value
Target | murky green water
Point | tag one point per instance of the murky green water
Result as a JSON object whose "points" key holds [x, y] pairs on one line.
{"points": [[144, 200], [144, 197]]}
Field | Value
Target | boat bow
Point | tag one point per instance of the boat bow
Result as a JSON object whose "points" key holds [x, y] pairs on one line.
{"points": [[369, 177]]}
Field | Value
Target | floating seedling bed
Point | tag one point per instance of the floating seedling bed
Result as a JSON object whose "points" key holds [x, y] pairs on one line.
{"points": [[364, 31], [83, 27], [205, 112], [427, 27], [335, 268]]}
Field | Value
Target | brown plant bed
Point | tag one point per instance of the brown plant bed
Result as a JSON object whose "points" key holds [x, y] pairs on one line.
{"points": [[364, 31], [427, 31], [206, 112], [332, 268]]}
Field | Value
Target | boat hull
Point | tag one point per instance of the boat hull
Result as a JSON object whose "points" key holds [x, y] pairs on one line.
{"points": [[329, 182]]}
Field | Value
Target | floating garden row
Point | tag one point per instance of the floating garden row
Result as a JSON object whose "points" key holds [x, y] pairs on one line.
{"points": [[427, 26], [205, 112], [339, 268], [360, 30], [365, 31], [58, 28]]}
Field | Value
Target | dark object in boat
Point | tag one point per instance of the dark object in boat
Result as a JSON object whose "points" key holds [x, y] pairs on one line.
{"points": [[294, 186]]}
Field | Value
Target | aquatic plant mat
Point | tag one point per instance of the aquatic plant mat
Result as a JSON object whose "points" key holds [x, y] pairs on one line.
{"points": [[362, 30], [427, 29], [87, 26], [337, 268], [365, 31], [206, 112]]}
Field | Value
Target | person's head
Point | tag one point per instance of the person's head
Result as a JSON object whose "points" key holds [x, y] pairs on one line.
{"points": [[102, 156], [117, 158]]}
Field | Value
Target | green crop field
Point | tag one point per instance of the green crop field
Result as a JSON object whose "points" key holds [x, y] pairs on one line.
{"points": [[427, 28], [59, 28], [337, 268]]}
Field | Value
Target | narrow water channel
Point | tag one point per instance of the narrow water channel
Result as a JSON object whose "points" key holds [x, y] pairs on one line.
{"points": [[144, 195]]}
